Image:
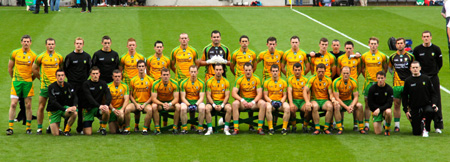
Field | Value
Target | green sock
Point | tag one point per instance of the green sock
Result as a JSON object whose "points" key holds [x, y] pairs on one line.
{"points": [[396, 119], [39, 126], [209, 125]]}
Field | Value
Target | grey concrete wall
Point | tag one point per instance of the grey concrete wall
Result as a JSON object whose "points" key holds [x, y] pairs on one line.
{"points": [[209, 2]]}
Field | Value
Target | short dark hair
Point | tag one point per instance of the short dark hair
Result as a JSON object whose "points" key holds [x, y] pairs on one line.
{"points": [[94, 68], [193, 66], [248, 64], [381, 73], [271, 39], [140, 62], [336, 40], [274, 66], [115, 71], [215, 65], [243, 36], [400, 39], [295, 37], [321, 66], [105, 38], [297, 65], [323, 40], [426, 31], [26, 36], [59, 70], [416, 62], [158, 41], [375, 39], [349, 43], [215, 32], [165, 70], [49, 39]]}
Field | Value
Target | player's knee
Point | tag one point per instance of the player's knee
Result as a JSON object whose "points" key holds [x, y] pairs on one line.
{"points": [[183, 108], [74, 114], [236, 104], [388, 111], [154, 106]]}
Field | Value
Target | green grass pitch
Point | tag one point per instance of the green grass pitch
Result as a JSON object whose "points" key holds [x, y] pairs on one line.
{"points": [[148, 24]]}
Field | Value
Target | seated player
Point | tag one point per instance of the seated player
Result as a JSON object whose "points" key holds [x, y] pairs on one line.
{"points": [[192, 94], [165, 97], [296, 84], [275, 94], [120, 99], [62, 102], [380, 100], [247, 93], [217, 95]]}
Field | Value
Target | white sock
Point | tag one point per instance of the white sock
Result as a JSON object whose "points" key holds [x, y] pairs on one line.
{"points": [[227, 127], [209, 128], [397, 124], [355, 126], [366, 124]]}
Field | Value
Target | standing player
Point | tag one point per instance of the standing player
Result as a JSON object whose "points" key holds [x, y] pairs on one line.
{"points": [[61, 103], [399, 62], [157, 62], [106, 59], [19, 69], [192, 94], [165, 97], [247, 93], [129, 70], [345, 90], [336, 46], [275, 95], [380, 102], [270, 57], [215, 49], [46, 64], [319, 89], [430, 57], [119, 101], [372, 62], [98, 99], [296, 84], [76, 67], [140, 88], [293, 56], [323, 57], [217, 95]]}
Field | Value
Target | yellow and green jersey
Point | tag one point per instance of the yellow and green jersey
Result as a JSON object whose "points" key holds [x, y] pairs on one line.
{"points": [[354, 64], [275, 89], [319, 87], [141, 88], [165, 91], [155, 65], [290, 58], [327, 59], [345, 90], [23, 62], [297, 85], [129, 64], [248, 86], [183, 59], [373, 63], [217, 88], [239, 58], [268, 60], [48, 64], [192, 89], [118, 94]]}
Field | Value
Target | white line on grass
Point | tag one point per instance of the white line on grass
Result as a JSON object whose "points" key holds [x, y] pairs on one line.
{"points": [[346, 36]]}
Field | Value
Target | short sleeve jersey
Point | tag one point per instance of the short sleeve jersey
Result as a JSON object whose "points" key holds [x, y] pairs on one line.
{"points": [[118, 94], [129, 65], [373, 63], [183, 59], [23, 62], [209, 51], [319, 87], [353, 63], [327, 59], [290, 58], [192, 89], [141, 88], [297, 85], [217, 88], [345, 90], [48, 65], [268, 60], [248, 87], [155, 65], [165, 91], [239, 58], [275, 89], [400, 64]]}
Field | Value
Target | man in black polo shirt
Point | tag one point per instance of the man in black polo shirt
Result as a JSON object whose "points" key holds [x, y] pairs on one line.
{"points": [[215, 49], [76, 68], [380, 99], [106, 59], [430, 57]]}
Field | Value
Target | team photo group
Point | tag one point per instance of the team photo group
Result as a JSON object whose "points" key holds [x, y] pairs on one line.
{"points": [[108, 86]]}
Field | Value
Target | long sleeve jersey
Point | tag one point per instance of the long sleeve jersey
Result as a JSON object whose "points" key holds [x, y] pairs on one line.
{"points": [[95, 92], [380, 97], [418, 92], [58, 96]]}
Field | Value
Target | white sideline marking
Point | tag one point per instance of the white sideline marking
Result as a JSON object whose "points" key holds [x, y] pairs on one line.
{"points": [[346, 36]]}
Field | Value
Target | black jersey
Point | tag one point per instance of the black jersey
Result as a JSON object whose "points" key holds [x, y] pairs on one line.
{"points": [[430, 59], [380, 97], [58, 96], [95, 92], [77, 66], [107, 62]]}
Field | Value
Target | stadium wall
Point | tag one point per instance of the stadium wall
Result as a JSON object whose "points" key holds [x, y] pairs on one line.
{"points": [[209, 2]]}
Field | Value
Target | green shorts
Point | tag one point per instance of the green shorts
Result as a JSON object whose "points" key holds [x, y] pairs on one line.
{"points": [[321, 103], [299, 103], [398, 90], [22, 89], [192, 102], [55, 116], [112, 116], [44, 92], [347, 102], [367, 86], [378, 118], [88, 115], [248, 99], [217, 102]]}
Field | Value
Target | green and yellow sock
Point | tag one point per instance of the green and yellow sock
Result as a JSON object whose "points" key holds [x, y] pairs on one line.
{"points": [[361, 125], [260, 124], [103, 124], [387, 126], [184, 127], [327, 125], [339, 125], [127, 128], [355, 122], [236, 124], [317, 126], [366, 120], [200, 127], [158, 128], [285, 123], [305, 124], [11, 124], [145, 128], [293, 122], [270, 123], [174, 127], [67, 128], [28, 124]]}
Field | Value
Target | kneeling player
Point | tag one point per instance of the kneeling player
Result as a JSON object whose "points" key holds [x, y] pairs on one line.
{"points": [[61, 103], [296, 84], [247, 93], [275, 94], [380, 102], [345, 91], [165, 97], [192, 91], [119, 102]]}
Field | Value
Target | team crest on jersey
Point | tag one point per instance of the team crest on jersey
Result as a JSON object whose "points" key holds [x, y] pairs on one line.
{"points": [[432, 54], [327, 64], [423, 83], [84, 61], [324, 84], [112, 59], [379, 63], [189, 53], [280, 85], [222, 85], [378, 58], [65, 92], [220, 52], [253, 83], [190, 58], [354, 62], [281, 90], [276, 57], [385, 93], [29, 56], [69, 96], [170, 89], [55, 59], [249, 56], [100, 87]]}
